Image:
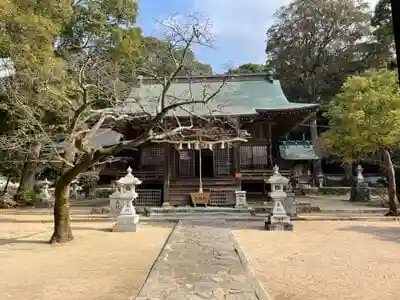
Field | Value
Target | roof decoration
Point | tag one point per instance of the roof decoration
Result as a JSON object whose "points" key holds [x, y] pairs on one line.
{"points": [[297, 150]]}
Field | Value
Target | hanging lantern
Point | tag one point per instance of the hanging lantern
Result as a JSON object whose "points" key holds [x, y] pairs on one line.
{"points": [[210, 146], [180, 147], [196, 145], [189, 146], [222, 145]]}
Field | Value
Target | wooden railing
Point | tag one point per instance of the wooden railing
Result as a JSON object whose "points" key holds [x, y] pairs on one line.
{"points": [[141, 174], [261, 174]]}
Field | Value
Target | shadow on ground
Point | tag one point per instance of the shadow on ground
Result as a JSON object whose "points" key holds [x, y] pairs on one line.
{"points": [[19, 241], [73, 220], [22, 240], [369, 204], [91, 228], [390, 234]]}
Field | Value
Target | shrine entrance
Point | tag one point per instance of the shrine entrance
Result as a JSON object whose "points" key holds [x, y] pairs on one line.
{"points": [[207, 163], [214, 163]]}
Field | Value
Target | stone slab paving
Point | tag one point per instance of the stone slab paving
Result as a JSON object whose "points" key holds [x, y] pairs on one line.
{"points": [[198, 262]]}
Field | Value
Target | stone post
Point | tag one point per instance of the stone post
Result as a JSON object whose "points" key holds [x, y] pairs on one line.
{"points": [[240, 197], [320, 178]]}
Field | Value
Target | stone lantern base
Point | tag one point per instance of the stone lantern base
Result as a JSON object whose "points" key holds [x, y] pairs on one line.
{"points": [[278, 220], [127, 223], [278, 223]]}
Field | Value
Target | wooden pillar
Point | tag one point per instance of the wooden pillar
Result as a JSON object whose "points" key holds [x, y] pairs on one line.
{"points": [[167, 173], [270, 158], [314, 138], [236, 158]]}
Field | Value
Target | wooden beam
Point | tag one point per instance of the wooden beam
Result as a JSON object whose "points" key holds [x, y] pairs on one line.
{"points": [[270, 159]]}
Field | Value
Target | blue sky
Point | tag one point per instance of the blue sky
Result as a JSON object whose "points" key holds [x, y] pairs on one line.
{"points": [[238, 26]]}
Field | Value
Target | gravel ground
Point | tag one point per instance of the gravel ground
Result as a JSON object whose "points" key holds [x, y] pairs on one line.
{"points": [[327, 260], [98, 264]]}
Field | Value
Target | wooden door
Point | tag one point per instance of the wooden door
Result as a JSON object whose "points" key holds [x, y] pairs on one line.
{"points": [[186, 163], [222, 162]]}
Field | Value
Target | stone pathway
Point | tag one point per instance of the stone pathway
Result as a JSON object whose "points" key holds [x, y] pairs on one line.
{"points": [[198, 262]]}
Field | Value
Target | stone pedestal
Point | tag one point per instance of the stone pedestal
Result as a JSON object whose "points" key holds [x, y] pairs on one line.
{"points": [[127, 224], [240, 197], [278, 220], [360, 191], [128, 220], [116, 204]]}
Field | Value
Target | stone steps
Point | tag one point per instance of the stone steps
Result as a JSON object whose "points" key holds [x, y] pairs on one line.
{"points": [[199, 213], [179, 190], [199, 210]]}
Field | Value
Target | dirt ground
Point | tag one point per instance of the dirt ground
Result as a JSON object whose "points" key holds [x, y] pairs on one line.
{"points": [[327, 260], [98, 264]]}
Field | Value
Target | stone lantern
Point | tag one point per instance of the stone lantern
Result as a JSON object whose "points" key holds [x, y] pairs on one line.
{"points": [[127, 219], [279, 220], [75, 188], [278, 183], [125, 189], [46, 199], [360, 190]]}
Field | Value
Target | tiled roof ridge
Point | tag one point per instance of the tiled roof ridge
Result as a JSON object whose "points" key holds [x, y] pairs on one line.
{"points": [[268, 77]]}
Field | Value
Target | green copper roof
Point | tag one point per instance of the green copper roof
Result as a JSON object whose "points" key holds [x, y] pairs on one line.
{"points": [[239, 95]]}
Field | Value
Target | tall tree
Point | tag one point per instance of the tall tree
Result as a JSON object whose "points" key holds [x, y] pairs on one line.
{"points": [[383, 27], [84, 30], [315, 44], [96, 91], [161, 56], [365, 119], [27, 37]]}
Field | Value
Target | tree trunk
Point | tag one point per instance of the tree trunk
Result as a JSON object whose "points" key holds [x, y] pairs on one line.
{"points": [[348, 173], [62, 227], [387, 162], [314, 136], [28, 175]]}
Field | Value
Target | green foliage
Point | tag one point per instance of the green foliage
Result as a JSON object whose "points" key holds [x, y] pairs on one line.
{"points": [[102, 27], [11, 164], [88, 181], [28, 34], [162, 56], [28, 197], [315, 44], [365, 116], [248, 69], [383, 26]]}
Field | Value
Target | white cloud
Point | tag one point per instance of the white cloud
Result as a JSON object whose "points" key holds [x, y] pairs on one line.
{"points": [[240, 26]]}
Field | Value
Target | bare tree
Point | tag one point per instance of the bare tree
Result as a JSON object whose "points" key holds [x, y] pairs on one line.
{"points": [[97, 98]]}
